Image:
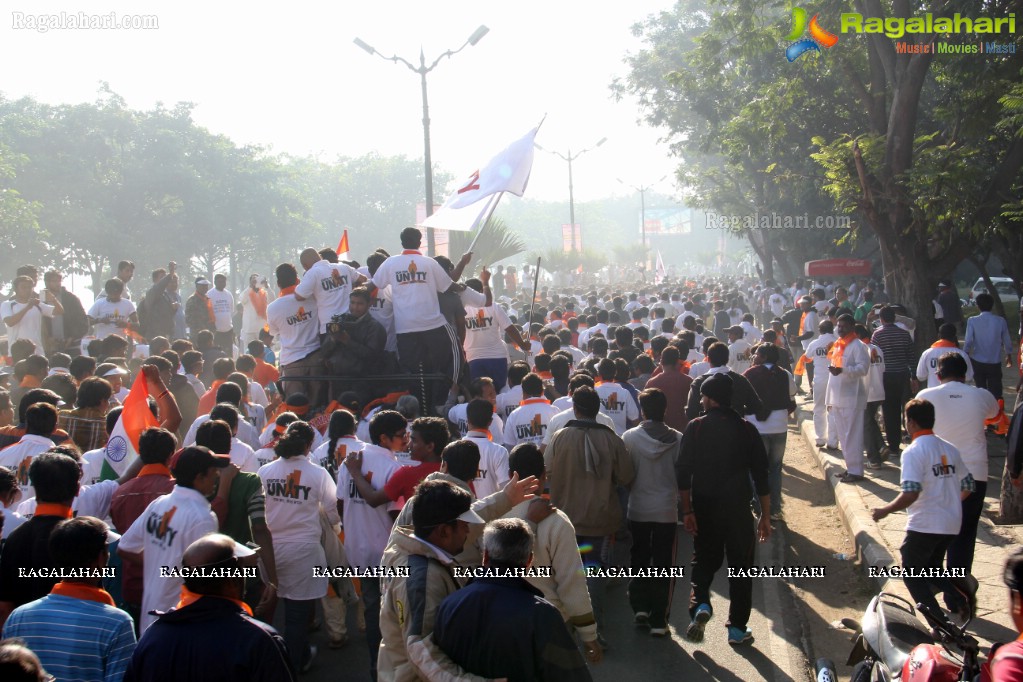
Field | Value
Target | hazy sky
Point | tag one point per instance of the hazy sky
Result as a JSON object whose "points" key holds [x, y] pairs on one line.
{"points": [[289, 76]]}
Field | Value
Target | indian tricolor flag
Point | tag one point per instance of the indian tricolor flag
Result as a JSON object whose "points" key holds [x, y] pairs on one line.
{"points": [[123, 445]]}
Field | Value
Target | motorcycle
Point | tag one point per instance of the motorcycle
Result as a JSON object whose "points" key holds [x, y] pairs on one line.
{"points": [[893, 644]]}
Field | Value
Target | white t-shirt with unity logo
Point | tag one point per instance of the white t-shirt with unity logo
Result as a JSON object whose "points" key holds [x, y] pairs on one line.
{"points": [[330, 285], [484, 333], [415, 281], [617, 403], [367, 528], [528, 422], [295, 488], [162, 533], [295, 323]]}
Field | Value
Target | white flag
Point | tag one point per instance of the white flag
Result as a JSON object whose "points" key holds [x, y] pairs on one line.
{"points": [[660, 273], [507, 172]]}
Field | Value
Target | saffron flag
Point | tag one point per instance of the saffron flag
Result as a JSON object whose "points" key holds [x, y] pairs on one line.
{"points": [[123, 445], [342, 246], [508, 171]]}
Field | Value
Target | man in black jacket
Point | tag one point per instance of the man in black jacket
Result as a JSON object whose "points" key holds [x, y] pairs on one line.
{"points": [[500, 626], [721, 454], [64, 332], [744, 397], [158, 307], [211, 634], [356, 347]]}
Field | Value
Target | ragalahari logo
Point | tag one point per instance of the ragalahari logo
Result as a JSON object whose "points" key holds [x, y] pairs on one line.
{"points": [[818, 36]]}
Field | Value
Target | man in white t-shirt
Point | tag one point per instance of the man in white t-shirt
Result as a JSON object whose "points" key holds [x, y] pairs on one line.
{"points": [[485, 328], [960, 412], [776, 302], [492, 473], [368, 526], [482, 387], [740, 355], [381, 307], [615, 400], [222, 304], [295, 323], [817, 353], [329, 284], [528, 422], [927, 368], [426, 343], [874, 383], [113, 314], [24, 314], [159, 537], [934, 481]]}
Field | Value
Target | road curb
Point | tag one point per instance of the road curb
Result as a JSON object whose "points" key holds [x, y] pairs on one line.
{"points": [[857, 520]]}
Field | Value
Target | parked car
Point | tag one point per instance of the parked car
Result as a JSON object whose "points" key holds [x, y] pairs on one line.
{"points": [[1006, 290]]}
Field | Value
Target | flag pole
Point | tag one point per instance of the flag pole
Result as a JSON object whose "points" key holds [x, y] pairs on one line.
{"points": [[532, 303], [484, 218]]}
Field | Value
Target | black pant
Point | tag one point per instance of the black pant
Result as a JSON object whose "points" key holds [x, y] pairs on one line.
{"points": [[724, 531], [988, 375], [896, 390], [653, 544], [927, 550], [431, 351], [226, 341], [960, 552]]}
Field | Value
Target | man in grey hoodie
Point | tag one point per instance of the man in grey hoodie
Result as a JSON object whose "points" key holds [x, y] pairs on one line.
{"points": [[653, 509]]}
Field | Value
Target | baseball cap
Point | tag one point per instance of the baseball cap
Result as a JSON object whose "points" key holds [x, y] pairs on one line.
{"points": [[202, 280], [114, 371], [735, 329]]}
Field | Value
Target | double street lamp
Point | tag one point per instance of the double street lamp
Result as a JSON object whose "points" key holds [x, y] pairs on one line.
{"points": [[422, 70], [571, 197]]}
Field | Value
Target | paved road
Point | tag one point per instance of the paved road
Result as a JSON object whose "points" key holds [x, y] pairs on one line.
{"points": [[635, 655]]}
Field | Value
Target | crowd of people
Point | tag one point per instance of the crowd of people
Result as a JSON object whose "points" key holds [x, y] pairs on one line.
{"points": [[459, 461]]}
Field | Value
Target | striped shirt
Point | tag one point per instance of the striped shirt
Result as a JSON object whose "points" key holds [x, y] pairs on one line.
{"points": [[75, 639], [897, 346]]}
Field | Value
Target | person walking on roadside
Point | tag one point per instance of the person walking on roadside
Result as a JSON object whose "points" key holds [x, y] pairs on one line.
{"points": [[721, 464], [933, 482], [960, 411], [847, 395], [987, 338], [897, 346]]}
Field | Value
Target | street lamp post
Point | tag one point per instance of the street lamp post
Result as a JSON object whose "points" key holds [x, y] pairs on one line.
{"points": [[571, 195], [422, 70], [642, 214], [642, 203]]}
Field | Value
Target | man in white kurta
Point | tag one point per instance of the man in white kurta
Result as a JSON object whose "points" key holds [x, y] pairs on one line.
{"points": [[847, 395]]}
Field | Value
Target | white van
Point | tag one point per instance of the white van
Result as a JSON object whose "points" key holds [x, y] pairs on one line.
{"points": [[1006, 290]]}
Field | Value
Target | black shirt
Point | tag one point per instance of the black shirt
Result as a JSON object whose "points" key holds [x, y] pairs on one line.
{"points": [[28, 546]]}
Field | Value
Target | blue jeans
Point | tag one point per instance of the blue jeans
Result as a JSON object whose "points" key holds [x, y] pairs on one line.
{"points": [[774, 443], [495, 368], [297, 615]]}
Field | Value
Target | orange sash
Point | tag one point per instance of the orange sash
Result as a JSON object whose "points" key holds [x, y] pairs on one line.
{"points": [[943, 343], [258, 300], [838, 349]]}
